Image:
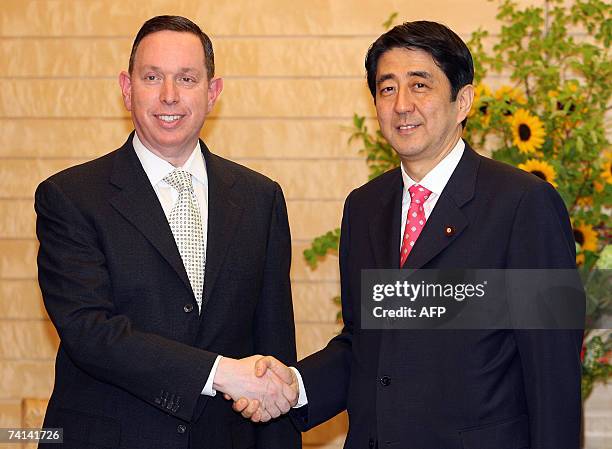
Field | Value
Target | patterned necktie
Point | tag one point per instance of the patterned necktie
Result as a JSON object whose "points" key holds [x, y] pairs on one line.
{"points": [[186, 224], [415, 221]]}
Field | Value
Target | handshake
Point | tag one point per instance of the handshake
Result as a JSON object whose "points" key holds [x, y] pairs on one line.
{"points": [[261, 387]]}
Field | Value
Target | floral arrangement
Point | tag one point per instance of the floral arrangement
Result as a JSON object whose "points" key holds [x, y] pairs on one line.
{"points": [[549, 121]]}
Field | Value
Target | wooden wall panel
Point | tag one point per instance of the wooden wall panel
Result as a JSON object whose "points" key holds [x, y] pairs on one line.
{"points": [[20, 177], [234, 57], [111, 18], [16, 219], [27, 378], [20, 299], [284, 57], [241, 98], [310, 218], [28, 339], [284, 138], [18, 262]]}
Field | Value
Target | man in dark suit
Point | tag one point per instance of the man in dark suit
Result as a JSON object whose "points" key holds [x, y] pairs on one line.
{"points": [[164, 268], [446, 207]]}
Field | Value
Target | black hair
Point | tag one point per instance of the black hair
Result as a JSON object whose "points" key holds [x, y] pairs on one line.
{"points": [[180, 24], [447, 49]]}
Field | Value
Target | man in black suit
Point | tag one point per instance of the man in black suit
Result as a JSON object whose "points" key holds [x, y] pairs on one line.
{"points": [[445, 389], [164, 268]]}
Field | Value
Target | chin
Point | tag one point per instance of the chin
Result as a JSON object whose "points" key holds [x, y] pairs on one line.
{"points": [[407, 153]]}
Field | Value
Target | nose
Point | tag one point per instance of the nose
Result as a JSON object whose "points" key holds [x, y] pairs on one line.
{"points": [[404, 102], [169, 93]]}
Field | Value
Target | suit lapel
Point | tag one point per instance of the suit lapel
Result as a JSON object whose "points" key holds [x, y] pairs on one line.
{"points": [[447, 221], [224, 215], [387, 217], [139, 204]]}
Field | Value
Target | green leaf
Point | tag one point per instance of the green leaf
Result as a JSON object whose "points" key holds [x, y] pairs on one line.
{"points": [[387, 24], [322, 246]]}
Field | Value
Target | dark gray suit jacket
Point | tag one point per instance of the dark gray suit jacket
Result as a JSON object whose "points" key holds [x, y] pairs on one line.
{"points": [[134, 353], [451, 389]]}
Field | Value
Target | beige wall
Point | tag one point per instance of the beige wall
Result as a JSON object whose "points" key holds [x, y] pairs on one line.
{"points": [[293, 78]]}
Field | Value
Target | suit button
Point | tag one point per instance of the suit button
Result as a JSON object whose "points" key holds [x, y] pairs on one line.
{"points": [[385, 381], [188, 308], [181, 428]]}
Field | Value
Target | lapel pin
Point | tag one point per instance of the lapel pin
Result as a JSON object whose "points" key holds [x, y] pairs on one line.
{"points": [[449, 231]]}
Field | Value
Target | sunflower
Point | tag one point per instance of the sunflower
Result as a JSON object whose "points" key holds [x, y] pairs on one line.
{"points": [[606, 173], [527, 131], [584, 201], [573, 85], [585, 236], [481, 107], [541, 169], [512, 96], [580, 259]]}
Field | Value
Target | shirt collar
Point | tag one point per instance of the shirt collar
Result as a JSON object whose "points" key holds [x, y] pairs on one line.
{"points": [[438, 177], [157, 168]]}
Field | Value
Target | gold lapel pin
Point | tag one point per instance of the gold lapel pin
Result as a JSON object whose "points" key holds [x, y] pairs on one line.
{"points": [[449, 231]]}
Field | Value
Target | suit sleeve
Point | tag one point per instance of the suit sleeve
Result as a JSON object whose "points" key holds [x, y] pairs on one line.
{"points": [[326, 373], [77, 292], [542, 238], [274, 329]]}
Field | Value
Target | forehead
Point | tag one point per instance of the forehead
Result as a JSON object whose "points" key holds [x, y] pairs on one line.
{"points": [[401, 61], [170, 49]]}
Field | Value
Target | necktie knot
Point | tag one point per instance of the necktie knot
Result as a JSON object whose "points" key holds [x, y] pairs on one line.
{"points": [[418, 194], [179, 179]]}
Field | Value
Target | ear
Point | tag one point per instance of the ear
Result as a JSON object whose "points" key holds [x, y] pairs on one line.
{"points": [[465, 98], [215, 86], [125, 82]]}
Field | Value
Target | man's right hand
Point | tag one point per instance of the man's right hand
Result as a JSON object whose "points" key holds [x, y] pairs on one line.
{"points": [[265, 366], [268, 392]]}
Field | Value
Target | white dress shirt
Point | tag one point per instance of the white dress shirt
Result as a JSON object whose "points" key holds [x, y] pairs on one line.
{"points": [[435, 181], [156, 169]]}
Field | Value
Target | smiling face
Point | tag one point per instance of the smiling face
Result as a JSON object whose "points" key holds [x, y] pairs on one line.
{"points": [[414, 108], [169, 94]]}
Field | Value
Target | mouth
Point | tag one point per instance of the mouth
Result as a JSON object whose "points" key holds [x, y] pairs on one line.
{"points": [[406, 129], [168, 120]]}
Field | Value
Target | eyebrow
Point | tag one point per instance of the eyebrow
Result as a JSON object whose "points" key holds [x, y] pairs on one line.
{"points": [[384, 78], [182, 69], [421, 74], [417, 73], [189, 70]]}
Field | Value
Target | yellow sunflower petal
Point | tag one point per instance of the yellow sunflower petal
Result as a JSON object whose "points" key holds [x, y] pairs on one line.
{"points": [[512, 94], [527, 131], [541, 169], [585, 236], [478, 106], [606, 173]]}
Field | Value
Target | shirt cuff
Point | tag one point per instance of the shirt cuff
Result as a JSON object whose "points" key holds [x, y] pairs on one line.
{"points": [[302, 398], [208, 388]]}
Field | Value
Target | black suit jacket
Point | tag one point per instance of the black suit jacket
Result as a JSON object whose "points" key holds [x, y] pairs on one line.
{"points": [[134, 353], [424, 389]]}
